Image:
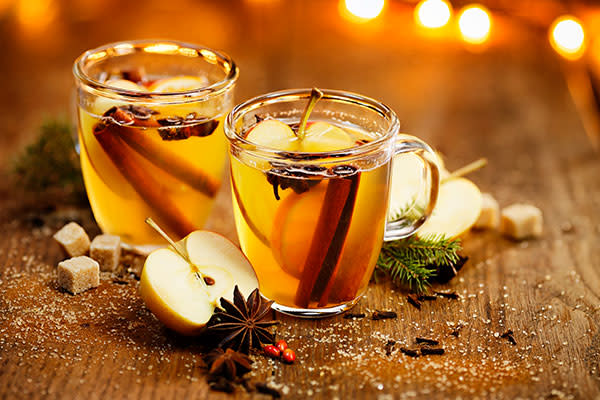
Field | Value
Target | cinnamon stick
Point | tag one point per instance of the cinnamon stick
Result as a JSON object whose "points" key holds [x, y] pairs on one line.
{"points": [[149, 189], [351, 278], [169, 161], [156, 153], [328, 240]]}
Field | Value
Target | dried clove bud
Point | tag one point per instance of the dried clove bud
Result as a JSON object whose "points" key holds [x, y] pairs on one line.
{"points": [[509, 336], [414, 301], [426, 350], [410, 352], [378, 315], [421, 340], [448, 295], [389, 347], [263, 388], [179, 128], [354, 315], [298, 179]]}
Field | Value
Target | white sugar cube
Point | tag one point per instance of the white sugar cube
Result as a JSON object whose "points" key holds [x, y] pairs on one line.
{"points": [[73, 239], [489, 217], [78, 274], [521, 221], [106, 249]]}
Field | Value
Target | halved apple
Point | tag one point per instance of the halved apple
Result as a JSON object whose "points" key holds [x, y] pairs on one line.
{"points": [[183, 296], [456, 211], [407, 180]]}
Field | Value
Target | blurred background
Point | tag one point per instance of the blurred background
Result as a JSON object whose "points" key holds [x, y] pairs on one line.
{"points": [[473, 79]]}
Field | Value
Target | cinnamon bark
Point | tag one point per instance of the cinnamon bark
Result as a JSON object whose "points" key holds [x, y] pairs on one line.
{"points": [[149, 189], [328, 240], [156, 153], [168, 161]]}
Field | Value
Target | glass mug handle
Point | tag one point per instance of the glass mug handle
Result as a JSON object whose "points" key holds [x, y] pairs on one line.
{"points": [[404, 226]]}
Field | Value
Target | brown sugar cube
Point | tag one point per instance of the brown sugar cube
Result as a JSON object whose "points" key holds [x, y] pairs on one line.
{"points": [[521, 221], [78, 274], [489, 217], [106, 249], [73, 239]]}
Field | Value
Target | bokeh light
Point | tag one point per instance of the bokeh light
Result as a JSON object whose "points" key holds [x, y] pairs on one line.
{"points": [[35, 16], [365, 9], [433, 13], [475, 24], [567, 37]]}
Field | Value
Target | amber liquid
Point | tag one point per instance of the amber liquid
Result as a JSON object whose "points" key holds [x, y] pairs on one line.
{"points": [[315, 246], [127, 183]]}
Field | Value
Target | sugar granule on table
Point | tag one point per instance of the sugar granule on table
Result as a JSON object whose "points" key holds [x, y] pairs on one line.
{"points": [[73, 239], [78, 274]]}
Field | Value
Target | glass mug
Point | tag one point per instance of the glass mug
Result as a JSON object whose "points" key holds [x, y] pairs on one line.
{"points": [[312, 224], [150, 134]]}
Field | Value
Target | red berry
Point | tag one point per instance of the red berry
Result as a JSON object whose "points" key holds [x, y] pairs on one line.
{"points": [[289, 356], [282, 345], [272, 351]]}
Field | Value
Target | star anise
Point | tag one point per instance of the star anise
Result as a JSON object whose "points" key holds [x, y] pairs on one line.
{"points": [[242, 324], [228, 363]]}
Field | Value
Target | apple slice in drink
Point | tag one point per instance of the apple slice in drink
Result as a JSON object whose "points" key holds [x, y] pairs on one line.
{"points": [[274, 134], [178, 84], [321, 136], [102, 104], [182, 292]]}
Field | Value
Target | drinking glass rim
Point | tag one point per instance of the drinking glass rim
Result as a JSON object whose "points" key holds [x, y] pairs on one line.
{"points": [[222, 59], [304, 93]]}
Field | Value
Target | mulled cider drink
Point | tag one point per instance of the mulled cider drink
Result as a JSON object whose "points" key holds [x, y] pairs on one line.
{"points": [[310, 183], [151, 134]]}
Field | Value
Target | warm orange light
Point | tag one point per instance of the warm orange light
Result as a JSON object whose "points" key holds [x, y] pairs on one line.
{"points": [[433, 13], [365, 9], [567, 37], [475, 24], [35, 16]]}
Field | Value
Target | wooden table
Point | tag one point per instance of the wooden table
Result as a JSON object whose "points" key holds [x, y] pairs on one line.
{"points": [[508, 103]]}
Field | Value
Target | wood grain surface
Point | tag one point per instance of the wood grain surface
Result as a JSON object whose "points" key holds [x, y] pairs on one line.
{"points": [[508, 102]]}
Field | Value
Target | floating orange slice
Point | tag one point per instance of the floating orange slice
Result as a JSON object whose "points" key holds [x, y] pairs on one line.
{"points": [[293, 228]]}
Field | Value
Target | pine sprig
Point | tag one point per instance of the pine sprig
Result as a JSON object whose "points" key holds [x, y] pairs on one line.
{"points": [[413, 262], [50, 162]]}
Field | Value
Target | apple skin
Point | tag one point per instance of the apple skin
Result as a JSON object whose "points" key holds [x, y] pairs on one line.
{"points": [[226, 256]]}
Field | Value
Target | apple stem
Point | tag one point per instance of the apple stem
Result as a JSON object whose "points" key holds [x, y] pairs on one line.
{"points": [[467, 169], [205, 279], [315, 95]]}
